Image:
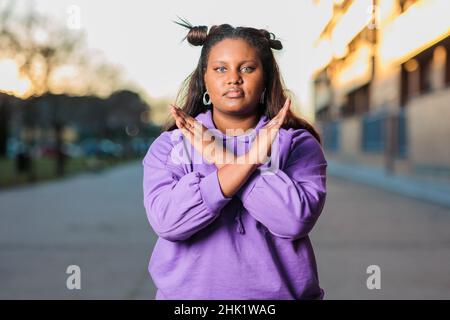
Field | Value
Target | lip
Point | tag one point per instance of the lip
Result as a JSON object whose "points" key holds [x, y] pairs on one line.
{"points": [[234, 93]]}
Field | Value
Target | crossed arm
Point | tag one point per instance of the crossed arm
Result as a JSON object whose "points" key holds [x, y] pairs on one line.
{"points": [[287, 202], [232, 175]]}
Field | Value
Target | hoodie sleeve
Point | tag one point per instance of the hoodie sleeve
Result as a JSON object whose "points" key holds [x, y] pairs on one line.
{"points": [[178, 204], [289, 201]]}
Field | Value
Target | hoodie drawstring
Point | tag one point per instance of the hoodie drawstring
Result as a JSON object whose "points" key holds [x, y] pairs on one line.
{"points": [[238, 219]]}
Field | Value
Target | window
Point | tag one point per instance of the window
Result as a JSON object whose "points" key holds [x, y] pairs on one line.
{"points": [[447, 67], [425, 74], [416, 76], [358, 102], [323, 114]]}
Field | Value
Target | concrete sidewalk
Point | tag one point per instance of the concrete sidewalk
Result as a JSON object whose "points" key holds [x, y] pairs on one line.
{"points": [[437, 192], [407, 238], [97, 221]]}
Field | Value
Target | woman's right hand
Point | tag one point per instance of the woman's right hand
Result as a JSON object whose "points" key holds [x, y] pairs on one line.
{"points": [[201, 138]]}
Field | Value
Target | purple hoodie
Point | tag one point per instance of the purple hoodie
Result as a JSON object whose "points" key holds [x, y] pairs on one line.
{"points": [[253, 245]]}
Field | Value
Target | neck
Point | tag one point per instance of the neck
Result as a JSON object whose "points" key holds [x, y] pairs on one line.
{"points": [[233, 123]]}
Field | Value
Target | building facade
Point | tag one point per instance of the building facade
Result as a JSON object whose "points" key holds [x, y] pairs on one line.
{"points": [[382, 84]]}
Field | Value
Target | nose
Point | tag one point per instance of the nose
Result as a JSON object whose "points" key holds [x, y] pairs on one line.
{"points": [[234, 77]]}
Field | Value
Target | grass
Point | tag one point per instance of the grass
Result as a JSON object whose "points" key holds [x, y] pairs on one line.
{"points": [[44, 169]]}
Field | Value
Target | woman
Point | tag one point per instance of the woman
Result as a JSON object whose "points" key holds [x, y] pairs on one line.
{"points": [[236, 184]]}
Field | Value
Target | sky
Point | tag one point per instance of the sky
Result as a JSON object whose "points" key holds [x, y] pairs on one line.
{"points": [[140, 37]]}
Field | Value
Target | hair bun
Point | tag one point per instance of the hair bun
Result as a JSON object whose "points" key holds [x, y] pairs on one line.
{"points": [[270, 37], [275, 44], [197, 35]]}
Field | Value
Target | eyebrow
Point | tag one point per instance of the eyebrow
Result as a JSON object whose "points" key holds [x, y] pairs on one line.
{"points": [[219, 61]]}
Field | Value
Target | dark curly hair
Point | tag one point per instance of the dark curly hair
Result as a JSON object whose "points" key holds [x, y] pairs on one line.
{"points": [[260, 39]]}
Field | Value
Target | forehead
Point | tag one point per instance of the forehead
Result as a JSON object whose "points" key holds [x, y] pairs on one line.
{"points": [[231, 50]]}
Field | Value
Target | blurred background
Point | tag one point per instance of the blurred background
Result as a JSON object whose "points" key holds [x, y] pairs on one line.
{"points": [[85, 88]]}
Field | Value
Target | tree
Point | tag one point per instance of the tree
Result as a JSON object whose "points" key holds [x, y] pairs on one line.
{"points": [[41, 48]]}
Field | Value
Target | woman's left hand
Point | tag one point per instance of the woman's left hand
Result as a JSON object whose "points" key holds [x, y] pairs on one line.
{"points": [[200, 137], [260, 150]]}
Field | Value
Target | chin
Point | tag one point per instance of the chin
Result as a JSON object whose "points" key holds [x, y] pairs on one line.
{"points": [[238, 108], [235, 104]]}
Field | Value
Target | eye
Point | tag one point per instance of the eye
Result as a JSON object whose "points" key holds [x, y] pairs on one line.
{"points": [[219, 68], [249, 69]]}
